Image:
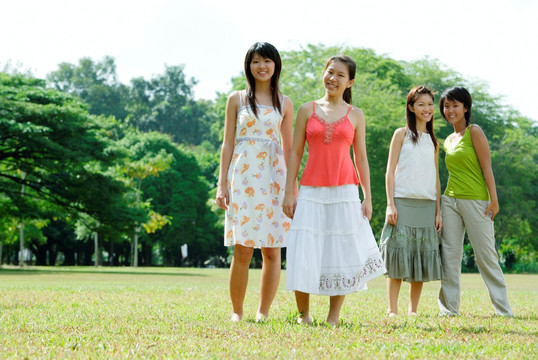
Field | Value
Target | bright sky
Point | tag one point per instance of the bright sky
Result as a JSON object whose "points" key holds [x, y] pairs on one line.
{"points": [[491, 40]]}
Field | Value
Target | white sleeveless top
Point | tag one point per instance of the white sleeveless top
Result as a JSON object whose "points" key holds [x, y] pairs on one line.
{"points": [[415, 176]]}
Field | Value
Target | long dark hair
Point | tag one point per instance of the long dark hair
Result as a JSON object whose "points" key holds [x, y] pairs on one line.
{"points": [[265, 50], [412, 118], [351, 67], [460, 94]]}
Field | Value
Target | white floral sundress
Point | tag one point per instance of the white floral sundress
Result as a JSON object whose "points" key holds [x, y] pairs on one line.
{"points": [[256, 180]]}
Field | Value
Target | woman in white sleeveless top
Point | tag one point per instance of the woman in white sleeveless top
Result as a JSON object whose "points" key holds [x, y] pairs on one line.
{"points": [[410, 237]]}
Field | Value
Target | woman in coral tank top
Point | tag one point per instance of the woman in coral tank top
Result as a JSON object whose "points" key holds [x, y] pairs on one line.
{"points": [[331, 248]]}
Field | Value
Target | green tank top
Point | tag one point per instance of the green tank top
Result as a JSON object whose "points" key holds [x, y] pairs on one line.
{"points": [[465, 176]]}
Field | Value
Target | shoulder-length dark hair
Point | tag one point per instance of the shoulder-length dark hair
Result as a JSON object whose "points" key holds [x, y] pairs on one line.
{"points": [[460, 94], [265, 50], [412, 118], [352, 68]]}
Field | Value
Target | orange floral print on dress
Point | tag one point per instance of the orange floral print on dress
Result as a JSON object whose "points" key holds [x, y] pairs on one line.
{"points": [[251, 122], [270, 240], [255, 210]]}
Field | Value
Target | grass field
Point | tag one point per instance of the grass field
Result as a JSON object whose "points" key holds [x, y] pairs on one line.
{"points": [[113, 313]]}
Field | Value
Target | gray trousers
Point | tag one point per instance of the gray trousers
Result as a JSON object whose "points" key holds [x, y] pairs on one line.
{"points": [[460, 215]]}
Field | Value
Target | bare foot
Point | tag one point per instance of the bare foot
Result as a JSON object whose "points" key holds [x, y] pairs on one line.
{"points": [[304, 320], [412, 313], [332, 322], [260, 317], [392, 314], [236, 317]]}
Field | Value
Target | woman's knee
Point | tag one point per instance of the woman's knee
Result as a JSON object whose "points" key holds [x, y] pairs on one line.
{"points": [[271, 254], [243, 254]]}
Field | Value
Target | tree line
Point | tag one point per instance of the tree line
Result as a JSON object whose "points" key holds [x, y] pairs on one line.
{"points": [[94, 170]]}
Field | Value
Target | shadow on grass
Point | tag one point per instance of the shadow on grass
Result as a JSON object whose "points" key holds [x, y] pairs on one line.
{"points": [[486, 330], [32, 271], [515, 317]]}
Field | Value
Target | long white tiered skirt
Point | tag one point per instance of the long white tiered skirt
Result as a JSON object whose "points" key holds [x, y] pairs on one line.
{"points": [[331, 248]]}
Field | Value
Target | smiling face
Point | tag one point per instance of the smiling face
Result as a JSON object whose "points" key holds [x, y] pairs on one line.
{"points": [[336, 78], [454, 112], [423, 108], [262, 68]]}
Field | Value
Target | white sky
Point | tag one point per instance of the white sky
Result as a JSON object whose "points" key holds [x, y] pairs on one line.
{"points": [[492, 40]]}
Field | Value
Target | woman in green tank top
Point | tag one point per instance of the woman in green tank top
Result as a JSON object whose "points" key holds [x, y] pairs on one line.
{"points": [[469, 204]]}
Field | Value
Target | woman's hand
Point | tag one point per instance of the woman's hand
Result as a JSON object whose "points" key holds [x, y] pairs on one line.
{"points": [[223, 198], [367, 209], [492, 208], [438, 222], [392, 214], [289, 204]]}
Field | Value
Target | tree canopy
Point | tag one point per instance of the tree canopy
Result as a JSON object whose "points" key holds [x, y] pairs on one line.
{"points": [[53, 149]]}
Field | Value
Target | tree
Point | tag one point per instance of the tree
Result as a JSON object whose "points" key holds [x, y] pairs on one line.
{"points": [[181, 193], [144, 165], [49, 136], [95, 83], [166, 104]]}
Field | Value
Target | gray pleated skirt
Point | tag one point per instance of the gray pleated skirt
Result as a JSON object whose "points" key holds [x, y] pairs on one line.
{"points": [[411, 248]]}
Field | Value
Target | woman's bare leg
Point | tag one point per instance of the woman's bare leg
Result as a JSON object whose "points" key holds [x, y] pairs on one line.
{"points": [[269, 281], [336, 303], [239, 279], [393, 291]]}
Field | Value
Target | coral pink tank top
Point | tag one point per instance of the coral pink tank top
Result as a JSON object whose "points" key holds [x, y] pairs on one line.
{"points": [[329, 160]]}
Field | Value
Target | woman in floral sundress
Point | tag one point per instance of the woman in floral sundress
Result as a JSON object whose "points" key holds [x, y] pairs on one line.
{"points": [[252, 176]]}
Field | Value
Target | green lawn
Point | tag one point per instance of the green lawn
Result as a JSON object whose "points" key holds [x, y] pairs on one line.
{"points": [[84, 312]]}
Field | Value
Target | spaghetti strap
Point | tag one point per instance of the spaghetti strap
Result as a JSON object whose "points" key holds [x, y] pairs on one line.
{"points": [[241, 98], [313, 107], [349, 110]]}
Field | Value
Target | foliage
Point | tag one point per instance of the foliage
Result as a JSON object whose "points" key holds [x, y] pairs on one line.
{"points": [[96, 83], [50, 146], [166, 104], [180, 194]]}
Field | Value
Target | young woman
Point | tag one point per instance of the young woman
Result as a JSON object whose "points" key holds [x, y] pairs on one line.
{"points": [[469, 203], [252, 174], [410, 239], [331, 249]]}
